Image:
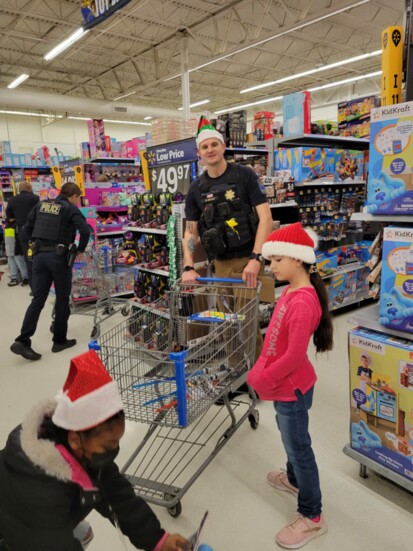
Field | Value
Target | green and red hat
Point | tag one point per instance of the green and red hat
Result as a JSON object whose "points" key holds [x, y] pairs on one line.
{"points": [[207, 131]]}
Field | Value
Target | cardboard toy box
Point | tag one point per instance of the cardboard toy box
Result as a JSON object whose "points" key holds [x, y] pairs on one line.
{"points": [[306, 164], [381, 399], [296, 114], [263, 122], [237, 129], [396, 298], [349, 165], [390, 183]]}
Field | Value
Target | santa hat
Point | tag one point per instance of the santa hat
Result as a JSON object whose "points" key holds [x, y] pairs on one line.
{"points": [[89, 396], [293, 241], [206, 131]]}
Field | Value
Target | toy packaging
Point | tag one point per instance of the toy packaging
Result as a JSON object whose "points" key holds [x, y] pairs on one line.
{"points": [[306, 164], [296, 114], [349, 165], [237, 129], [381, 399], [354, 116], [390, 183], [263, 123], [396, 300], [97, 139]]}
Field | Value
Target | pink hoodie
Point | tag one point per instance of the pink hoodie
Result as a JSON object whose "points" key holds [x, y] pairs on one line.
{"points": [[283, 365]]}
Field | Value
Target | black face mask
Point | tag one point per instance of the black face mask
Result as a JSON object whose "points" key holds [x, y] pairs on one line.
{"points": [[100, 460]]}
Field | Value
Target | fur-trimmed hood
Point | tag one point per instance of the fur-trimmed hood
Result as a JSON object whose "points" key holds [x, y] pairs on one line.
{"points": [[28, 453]]}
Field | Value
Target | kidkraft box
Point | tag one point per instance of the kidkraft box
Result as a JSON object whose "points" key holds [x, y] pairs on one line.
{"points": [[381, 399], [297, 114], [349, 165], [390, 184], [396, 298]]}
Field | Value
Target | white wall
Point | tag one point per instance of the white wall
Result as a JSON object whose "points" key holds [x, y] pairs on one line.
{"points": [[27, 133]]}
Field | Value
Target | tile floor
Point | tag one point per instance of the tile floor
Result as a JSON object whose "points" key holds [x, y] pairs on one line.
{"points": [[245, 512]]}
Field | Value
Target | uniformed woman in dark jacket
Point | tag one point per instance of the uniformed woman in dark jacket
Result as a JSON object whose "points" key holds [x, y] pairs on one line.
{"points": [[59, 465]]}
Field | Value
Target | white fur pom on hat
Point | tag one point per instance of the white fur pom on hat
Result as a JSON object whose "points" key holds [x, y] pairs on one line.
{"points": [[292, 241], [207, 131], [89, 396]]}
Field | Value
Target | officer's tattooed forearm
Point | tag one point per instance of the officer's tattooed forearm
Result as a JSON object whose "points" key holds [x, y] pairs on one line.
{"points": [[191, 245], [191, 241]]}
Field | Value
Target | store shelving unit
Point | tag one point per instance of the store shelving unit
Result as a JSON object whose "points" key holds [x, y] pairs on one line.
{"points": [[368, 318], [143, 230], [386, 218], [319, 140], [111, 160]]}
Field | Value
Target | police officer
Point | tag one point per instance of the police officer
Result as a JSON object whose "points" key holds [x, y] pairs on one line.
{"points": [[17, 210], [225, 209], [51, 227]]}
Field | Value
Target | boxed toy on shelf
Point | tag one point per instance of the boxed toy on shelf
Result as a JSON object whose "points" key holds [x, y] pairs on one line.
{"points": [[279, 188], [381, 399], [97, 140], [296, 114], [354, 116], [263, 125], [349, 165], [396, 298], [390, 183], [306, 164], [237, 129]]}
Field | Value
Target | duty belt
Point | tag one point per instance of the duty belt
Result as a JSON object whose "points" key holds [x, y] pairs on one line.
{"points": [[46, 248]]}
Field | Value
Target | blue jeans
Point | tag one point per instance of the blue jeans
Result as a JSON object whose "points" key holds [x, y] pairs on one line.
{"points": [[302, 470]]}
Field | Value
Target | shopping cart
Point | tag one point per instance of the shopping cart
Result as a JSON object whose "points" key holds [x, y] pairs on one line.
{"points": [[93, 291], [173, 360]]}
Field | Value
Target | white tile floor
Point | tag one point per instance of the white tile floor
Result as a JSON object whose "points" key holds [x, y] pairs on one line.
{"points": [[245, 512]]}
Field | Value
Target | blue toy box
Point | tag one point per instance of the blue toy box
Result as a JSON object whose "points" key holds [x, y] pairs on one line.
{"points": [[306, 164], [396, 297], [390, 183]]}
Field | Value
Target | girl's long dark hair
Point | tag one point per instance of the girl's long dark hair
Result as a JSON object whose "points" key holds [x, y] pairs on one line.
{"points": [[323, 335]]}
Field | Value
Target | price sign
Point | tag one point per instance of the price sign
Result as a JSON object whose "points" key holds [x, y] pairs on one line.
{"points": [[172, 178], [172, 167]]}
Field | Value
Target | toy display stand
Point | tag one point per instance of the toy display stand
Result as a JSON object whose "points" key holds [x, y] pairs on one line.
{"points": [[368, 318]]}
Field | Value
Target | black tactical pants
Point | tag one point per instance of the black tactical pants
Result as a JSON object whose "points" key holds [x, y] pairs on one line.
{"points": [[48, 268]]}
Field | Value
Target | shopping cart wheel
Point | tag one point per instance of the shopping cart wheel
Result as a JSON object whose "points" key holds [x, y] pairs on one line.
{"points": [[125, 310], [176, 510], [254, 419], [109, 311], [95, 332]]}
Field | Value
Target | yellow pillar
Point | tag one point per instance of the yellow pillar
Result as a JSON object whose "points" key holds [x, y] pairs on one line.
{"points": [[392, 66]]}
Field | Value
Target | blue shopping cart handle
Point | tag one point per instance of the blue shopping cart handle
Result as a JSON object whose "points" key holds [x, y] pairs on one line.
{"points": [[219, 280]]}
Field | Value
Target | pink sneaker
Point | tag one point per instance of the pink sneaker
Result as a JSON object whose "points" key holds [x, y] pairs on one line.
{"points": [[300, 531], [279, 481]]}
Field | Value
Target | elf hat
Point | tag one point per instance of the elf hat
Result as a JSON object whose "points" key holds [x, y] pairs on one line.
{"points": [[89, 396], [293, 241], [206, 131]]}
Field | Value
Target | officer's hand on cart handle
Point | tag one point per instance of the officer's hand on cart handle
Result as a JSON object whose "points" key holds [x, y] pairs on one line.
{"points": [[174, 542], [190, 276], [250, 273]]}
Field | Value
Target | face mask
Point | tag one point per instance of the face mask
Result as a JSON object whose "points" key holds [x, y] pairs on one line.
{"points": [[99, 460]]}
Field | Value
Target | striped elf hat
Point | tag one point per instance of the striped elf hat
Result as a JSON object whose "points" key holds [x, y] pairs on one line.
{"points": [[207, 131]]}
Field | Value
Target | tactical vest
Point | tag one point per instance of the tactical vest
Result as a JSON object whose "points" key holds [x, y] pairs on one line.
{"points": [[228, 224], [49, 224]]}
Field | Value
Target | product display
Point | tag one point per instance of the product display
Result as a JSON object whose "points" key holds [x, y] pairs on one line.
{"points": [[354, 116], [297, 114]]}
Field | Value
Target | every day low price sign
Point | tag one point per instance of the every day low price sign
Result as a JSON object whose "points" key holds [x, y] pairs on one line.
{"points": [[172, 167]]}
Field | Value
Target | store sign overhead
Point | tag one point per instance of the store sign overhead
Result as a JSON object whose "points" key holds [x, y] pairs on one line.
{"points": [[95, 12]]}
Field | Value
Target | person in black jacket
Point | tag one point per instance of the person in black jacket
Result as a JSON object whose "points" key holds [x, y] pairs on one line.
{"points": [[51, 227], [17, 211], [59, 465]]}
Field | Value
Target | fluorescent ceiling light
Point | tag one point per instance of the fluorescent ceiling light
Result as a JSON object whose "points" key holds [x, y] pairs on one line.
{"points": [[27, 114], [79, 118], [313, 71], [315, 89], [65, 44], [128, 122], [17, 81], [345, 81], [197, 104], [267, 100], [147, 118], [124, 96]]}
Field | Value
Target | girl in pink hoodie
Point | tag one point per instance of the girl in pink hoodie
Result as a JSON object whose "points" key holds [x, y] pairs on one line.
{"points": [[285, 375]]}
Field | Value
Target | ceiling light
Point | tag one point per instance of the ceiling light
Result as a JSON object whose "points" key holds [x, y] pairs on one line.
{"points": [[197, 104], [65, 44], [17, 81], [28, 114], [313, 71], [147, 118], [124, 96], [128, 122], [79, 118], [345, 81], [268, 100]]}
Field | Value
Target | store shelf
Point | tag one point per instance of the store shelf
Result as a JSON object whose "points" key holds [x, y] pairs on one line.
{"points": [[143, 230], [246, 151], [326, 183], [389, 218], [378, 468], [122, 294], [26, 167], [281, 205], [140, 306], [350, 302], [155, 271], [345, 269], [7, 190], [112, 160], [369, 318], [106, 208], [105, 233], [318, 140]]}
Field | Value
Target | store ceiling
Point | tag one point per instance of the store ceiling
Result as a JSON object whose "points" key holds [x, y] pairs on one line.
{"points": [[139, 48]]}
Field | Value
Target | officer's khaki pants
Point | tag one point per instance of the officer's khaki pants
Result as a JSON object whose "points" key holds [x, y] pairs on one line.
{"points": [[226, 268]]}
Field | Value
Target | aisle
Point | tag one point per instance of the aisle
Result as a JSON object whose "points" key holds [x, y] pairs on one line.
{"points": [[245, 512]]}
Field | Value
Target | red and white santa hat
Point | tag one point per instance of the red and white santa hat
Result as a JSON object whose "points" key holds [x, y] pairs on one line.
{"points": [[293, 241], [207, 131], [89, 396]]}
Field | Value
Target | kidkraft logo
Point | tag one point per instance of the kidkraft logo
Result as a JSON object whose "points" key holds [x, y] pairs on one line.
{"points": [[367, 344], [391, 112], [398, 234]]}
